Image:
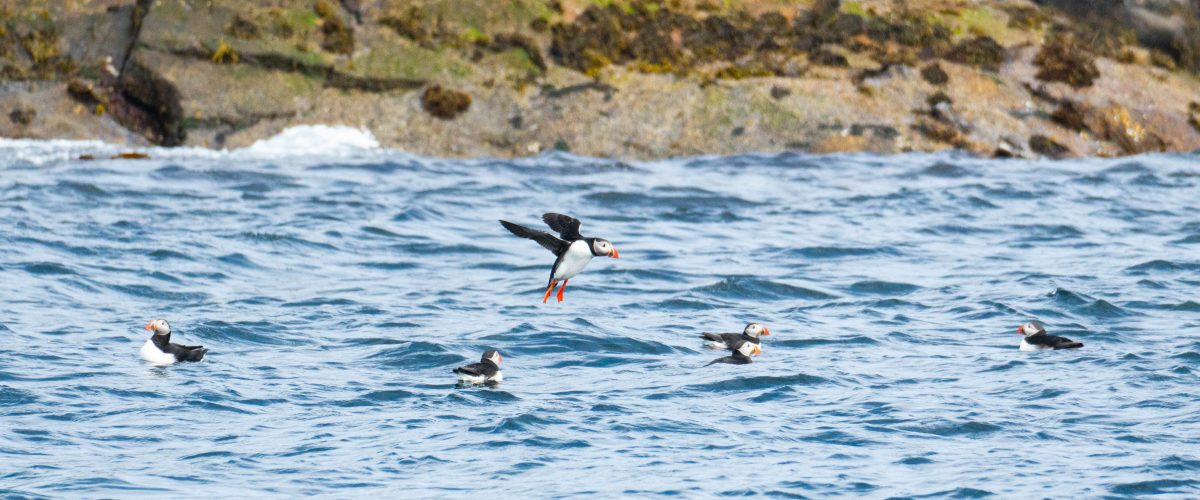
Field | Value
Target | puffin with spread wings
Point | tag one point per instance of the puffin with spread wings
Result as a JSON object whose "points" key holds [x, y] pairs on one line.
{"points": [[572, 249]]}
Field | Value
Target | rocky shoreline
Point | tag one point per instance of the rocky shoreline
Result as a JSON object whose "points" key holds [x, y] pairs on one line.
{"points": [[623, 79]]}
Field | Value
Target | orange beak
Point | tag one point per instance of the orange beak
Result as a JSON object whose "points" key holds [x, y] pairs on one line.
{"points": [[499, 358], [614, 253], [148, 327], [766, 331], [1021, 330], [757, 351]]}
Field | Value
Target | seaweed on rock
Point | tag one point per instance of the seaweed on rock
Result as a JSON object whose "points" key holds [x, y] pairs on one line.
{"points": [[445, 103], [1046, 146], [1061, 59], [337, 36], [934, 74], [982, 51]]}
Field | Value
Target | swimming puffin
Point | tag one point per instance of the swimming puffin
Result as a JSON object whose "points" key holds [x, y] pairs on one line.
{"points": [[160, 350], [1037, 340], [741, 354], [486, 371], [573, 250], [728, 340]]}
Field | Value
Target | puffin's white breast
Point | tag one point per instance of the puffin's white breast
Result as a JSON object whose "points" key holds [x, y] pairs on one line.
{"points": [[1027, 347], [151, 353], [479, 379], [577, 257]]}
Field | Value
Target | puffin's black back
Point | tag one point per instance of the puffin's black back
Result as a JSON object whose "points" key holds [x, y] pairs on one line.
{"points": [[1052, 341]]}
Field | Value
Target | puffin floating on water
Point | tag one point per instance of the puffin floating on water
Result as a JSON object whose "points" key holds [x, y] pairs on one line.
{"points": [[740, 355], [751, 333], [160, 350], [486, 371], [573, 250], [1036, 338]]}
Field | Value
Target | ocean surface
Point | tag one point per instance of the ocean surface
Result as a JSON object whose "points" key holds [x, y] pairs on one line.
{"points": [[337, 284]]}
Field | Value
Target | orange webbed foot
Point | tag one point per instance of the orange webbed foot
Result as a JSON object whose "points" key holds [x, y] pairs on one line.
{"points": [[549, 289], [560, 290]]}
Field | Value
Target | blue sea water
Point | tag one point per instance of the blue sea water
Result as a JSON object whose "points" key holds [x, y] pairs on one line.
{"points": [[337, 291]]}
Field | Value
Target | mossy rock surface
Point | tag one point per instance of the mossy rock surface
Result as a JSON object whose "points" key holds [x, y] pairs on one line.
{"points": [[235, 94], [406, 61], [287, 36]]}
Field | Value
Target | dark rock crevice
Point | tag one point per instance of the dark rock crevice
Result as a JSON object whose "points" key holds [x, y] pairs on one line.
{"points": [[135, 30], [159, 101]]}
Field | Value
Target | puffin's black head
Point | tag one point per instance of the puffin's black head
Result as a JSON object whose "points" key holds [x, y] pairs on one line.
{"points": [[492, 356], [1033, 327], [159, 327], [748, 349], [755, 329], [603, 248]]}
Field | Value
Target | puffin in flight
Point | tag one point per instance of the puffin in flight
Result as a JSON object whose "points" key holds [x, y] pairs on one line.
{"points": [[1036, 338], [486, 371], [741, 354], [159, 349], [729, 340], [572, 249]]}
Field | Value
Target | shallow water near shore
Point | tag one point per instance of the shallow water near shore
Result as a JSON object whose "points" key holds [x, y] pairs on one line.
{"points": [[336, 292]]}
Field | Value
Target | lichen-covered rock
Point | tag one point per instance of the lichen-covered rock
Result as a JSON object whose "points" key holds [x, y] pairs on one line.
{"points": [[1119, 126], [445, 103]]}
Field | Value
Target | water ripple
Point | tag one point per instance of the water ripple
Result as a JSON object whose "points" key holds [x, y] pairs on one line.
{"points": [[337, 293]]}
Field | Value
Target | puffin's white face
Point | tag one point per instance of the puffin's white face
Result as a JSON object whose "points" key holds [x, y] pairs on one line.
{"points": [[749, 349], [755, 329], [496, 358], [603, 247], [1031, 328], [159, 326]]}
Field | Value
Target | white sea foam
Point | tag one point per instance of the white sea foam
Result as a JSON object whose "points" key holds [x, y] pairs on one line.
{"points": [[313, 140], [303, 140]]}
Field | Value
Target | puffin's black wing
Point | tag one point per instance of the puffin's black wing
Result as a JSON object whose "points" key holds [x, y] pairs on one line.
{"points": [[186, 353], [546, 240], [730, 339], [1052, 341], [565, 225], [1063, 342], [471, 369]]}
